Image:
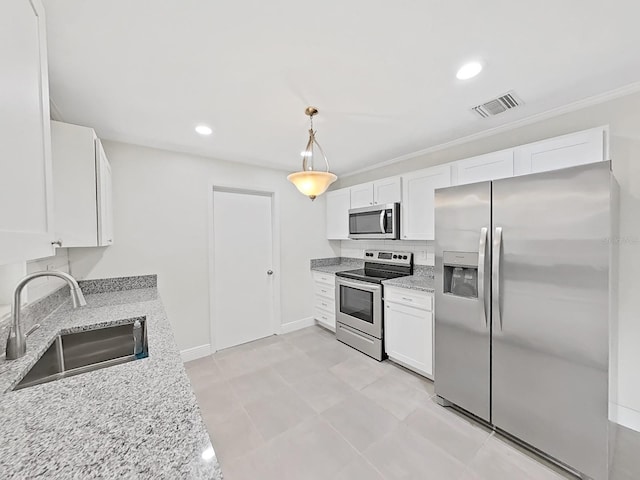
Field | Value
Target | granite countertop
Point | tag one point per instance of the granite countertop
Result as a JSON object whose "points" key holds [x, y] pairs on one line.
{"points": [[336, 264], [135, 420], [413, 282], [422, 278]]}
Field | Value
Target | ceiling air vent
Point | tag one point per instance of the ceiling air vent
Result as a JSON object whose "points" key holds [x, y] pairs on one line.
{"points": [[498, 105]]}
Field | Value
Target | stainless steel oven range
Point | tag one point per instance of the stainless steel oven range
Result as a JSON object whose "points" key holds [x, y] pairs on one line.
{"points": [[359, 312]]}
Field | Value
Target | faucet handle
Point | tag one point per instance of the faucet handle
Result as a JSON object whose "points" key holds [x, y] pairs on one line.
{"points": [[32, 329]]}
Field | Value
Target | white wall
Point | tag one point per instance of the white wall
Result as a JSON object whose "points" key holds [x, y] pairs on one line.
{"points": [[161, 226], [41, 287], [623, 116]]}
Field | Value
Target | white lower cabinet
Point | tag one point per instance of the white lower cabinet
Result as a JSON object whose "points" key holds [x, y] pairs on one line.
{"points": [[408, 329], [324, 305]]}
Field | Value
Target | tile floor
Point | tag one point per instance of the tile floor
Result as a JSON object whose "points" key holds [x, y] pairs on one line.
{"points": [[303, 406]]}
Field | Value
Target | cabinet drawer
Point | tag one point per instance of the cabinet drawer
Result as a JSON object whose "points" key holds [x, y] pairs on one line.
{"points": [[324, 278], [324, 290], [325, 303], [405, 296], [324, 317]]}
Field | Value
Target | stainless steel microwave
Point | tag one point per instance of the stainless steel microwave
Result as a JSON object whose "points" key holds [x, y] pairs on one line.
{"points": [[376, 222]]}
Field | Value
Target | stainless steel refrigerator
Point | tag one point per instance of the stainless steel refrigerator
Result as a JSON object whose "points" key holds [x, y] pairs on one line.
{"points": [[523, 305]]}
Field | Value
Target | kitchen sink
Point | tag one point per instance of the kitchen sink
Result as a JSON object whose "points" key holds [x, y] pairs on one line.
{"points": [[75, 353]]}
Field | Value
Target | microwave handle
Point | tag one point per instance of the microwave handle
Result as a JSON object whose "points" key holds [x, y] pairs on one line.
{"points": [[383, 218]]}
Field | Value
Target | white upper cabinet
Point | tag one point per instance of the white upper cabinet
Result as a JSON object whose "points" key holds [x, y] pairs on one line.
{"points": [[82, 185], [26, 194], [380, 192], [561, 152], [418, 207], [104, 197], [362, 195], [491, 166], [388, 190], [338, 203]]}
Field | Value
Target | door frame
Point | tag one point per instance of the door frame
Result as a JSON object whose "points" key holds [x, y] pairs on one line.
{"points": [[275, 255]]}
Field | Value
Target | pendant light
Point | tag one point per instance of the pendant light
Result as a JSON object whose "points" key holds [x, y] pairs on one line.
{"points": [[309, 181]]}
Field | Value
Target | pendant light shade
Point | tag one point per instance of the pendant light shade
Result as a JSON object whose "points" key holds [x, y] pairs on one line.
{"points": [[311, 182]]}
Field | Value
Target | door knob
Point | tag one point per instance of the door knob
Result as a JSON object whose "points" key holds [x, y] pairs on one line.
{"points": [[269, 272]]}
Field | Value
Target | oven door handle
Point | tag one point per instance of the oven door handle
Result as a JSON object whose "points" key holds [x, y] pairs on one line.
{"points": [[369, 287]]}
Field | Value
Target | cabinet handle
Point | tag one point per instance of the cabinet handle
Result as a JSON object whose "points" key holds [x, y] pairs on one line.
{"points": [[57, 242]]}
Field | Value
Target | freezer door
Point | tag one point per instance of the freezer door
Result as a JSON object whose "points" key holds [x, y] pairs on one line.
{"points": [[550, 312], [462, 308]]}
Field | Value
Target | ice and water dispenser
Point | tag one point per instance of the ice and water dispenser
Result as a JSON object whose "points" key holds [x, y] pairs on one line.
{"points": [[460, 274]]}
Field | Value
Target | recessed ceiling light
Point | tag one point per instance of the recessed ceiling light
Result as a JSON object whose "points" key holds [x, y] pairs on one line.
{"points": [[204, 130], [469, 70]]}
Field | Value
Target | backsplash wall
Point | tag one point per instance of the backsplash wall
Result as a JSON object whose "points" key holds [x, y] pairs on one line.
{"points": [[41, 287], [423, 250]]}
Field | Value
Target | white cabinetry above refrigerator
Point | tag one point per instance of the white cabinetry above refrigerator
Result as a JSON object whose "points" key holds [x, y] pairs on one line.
{"points": [[561, 152], [82, 186]]}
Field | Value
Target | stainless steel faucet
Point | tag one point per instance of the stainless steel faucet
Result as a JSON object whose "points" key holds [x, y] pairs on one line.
{"points": [[17, 340]]}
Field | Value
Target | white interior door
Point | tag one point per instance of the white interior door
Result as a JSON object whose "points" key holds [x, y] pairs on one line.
{"points": [[243, 250]]}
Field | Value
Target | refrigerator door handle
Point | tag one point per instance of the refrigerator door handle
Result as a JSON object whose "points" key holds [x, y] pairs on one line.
{"points": [[495, 279], [482, 250]]}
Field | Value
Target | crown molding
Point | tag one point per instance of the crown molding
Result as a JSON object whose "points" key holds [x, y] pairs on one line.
{"points": [[554, 112]]}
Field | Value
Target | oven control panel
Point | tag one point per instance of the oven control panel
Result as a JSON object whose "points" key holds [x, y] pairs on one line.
{"points": [[387, 256]]}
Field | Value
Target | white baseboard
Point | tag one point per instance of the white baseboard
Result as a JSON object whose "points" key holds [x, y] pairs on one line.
{"points": [[627, 417], [297, 325], [195, 352]]}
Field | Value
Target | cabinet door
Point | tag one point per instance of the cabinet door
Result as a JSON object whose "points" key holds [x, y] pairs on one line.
{"points": [[362, 195], [104, 195], [387, 191], [26, 193], [418, 205], [562, 152], [408, 337], [491, 166], [74, 183], [338, 203]]}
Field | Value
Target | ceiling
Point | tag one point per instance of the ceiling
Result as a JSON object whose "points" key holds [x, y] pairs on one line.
{"points": [[382, 73]]}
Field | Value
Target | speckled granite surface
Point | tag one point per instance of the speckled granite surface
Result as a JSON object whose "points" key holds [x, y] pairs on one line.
{"points": [[117, 284], [336, 264], [422, 279], [135, 420]]}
